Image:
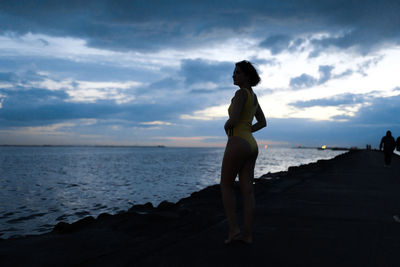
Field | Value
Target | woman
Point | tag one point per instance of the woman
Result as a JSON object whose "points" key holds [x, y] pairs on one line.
{"points": [[241, 151]]}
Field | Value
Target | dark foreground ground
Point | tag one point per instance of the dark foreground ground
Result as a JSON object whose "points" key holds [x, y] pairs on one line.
{"points": [[331, 213]]}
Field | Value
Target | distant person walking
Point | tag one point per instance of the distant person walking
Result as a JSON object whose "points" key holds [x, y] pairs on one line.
{"points": [[241, 151], [388, 147]]}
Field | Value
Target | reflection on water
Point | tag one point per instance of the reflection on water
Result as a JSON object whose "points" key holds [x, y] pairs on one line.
{"points": [[40, 186]]}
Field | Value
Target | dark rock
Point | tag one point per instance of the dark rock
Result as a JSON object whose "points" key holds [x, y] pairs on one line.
{"points": [[184, 210], [162, 216], [165, 205], [63, 227], [103, 216], [142, 208], [293, 169]]}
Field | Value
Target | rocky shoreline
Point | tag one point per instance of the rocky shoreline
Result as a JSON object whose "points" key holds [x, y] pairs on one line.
{"points": [[191, 231]]}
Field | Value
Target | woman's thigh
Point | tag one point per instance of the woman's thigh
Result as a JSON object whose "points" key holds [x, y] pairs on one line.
{"points": [[237, 153], [246, 174]]}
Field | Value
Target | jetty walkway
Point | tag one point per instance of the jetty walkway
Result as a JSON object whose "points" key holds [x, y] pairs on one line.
{"points": [[336, 212]]}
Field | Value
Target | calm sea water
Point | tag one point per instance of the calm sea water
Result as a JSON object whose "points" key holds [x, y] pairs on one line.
{"points": [[41, 186]]}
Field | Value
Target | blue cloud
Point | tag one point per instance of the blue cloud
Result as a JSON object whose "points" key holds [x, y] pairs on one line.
{"points": [[280, 42], [22, 77], [305, 80], [170, 92], [260, 61], [140, 25], [200, 71], [276, 43], [24, 105], [302, 81], [344, 99], [7, 77], [383, 110], [343, 74], [325, 73], [36, 106], [368, 125], [79, 70]]}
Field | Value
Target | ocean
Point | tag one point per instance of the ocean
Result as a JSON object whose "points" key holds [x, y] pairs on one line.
{"points": [[41, 186]]}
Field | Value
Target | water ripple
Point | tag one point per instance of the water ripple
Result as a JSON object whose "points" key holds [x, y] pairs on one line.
{"points": [[40, 186]]}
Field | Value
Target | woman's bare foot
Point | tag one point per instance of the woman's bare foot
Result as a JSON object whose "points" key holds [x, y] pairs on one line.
{"points": [[247, 239], [233, 236]]}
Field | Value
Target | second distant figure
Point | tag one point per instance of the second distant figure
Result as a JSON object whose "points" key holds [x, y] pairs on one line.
{"points": [[398, 144], [388, 147], [241, 151]]}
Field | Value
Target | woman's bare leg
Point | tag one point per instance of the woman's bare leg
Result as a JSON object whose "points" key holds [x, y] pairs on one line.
{"points": [[246, 178], [235, 156]]}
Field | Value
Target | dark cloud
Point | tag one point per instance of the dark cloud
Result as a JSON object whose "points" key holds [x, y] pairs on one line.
{"points": [[43, 42], [260, 61], [368, 125], [42, 107], [296, 44], [363, 26], [200, 71], [196, 73], [364, 37], [37, 104], [276, 43], [361, 68], [344, 99], [149, 25], [341, 117], [166, 83], [304, 131], [24, 105], [154, 25], [325, 74], [381, 111], [305, 80], [123, 25], [213, 91], [7, 77], [21, 106], [343, 74], [79, 70]]}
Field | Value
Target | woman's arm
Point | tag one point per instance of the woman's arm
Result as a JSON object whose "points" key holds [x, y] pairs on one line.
{"points": [[238, 102], [261, 122]]}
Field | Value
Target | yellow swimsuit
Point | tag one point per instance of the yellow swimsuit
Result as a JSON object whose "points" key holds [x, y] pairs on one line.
{"points": [[243, 126]]}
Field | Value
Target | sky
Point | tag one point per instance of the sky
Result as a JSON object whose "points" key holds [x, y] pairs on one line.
{"points": [[160, 72]]}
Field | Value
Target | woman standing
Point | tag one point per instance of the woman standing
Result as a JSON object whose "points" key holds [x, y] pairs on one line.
{"points": [[241, 151]]}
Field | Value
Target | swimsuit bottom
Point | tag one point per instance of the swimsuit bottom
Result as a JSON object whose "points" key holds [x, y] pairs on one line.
{"points": [[244, 131]]}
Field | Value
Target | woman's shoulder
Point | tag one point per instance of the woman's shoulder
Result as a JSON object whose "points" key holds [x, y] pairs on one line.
{"points": [[241, 93]]}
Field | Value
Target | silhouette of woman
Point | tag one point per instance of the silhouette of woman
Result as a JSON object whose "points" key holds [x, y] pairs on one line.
{"points": [[241, 151]]}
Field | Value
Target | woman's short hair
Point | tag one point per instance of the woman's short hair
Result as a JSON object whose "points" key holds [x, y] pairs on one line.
{"points": [[250, 71]]}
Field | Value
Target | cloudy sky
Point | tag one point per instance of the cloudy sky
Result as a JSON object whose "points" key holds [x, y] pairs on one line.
{"points": [[160, 72]]}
